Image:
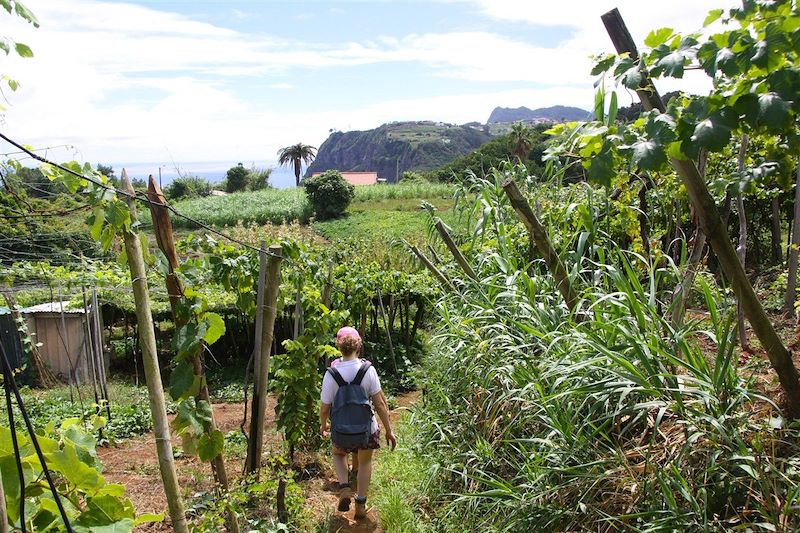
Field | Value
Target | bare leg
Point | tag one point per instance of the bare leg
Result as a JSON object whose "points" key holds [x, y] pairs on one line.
{"points": [[364, 472], [340, 464]]}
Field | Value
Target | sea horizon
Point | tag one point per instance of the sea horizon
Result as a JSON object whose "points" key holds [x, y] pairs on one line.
{"points": [[214, 171]]}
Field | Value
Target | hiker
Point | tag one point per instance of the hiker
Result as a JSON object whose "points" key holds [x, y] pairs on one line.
{"points": [[350, 390]]}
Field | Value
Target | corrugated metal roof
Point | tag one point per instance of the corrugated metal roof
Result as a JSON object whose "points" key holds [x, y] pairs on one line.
{"points": [[5, 311], [51, 307], [357, 178]]}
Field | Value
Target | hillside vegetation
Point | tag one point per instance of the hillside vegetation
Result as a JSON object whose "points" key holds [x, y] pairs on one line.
{"points": [[395, 148]]}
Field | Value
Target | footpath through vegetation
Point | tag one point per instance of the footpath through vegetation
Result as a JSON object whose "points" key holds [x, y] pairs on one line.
{"points": [[572, 338]]}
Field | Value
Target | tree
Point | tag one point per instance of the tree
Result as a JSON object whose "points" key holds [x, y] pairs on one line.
{"points": [[188, 187], [237, 178], [329, 194], [259, 178], [296, 154], [522, 140]]}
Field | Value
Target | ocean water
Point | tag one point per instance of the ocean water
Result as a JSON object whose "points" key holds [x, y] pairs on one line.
{"points": [[213, 171]]}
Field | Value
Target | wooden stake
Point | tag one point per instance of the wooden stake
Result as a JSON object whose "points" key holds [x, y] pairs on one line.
{"points": [[255, 441], [162, 226], [100, 361], [435, 271], [543, 244], [388, 333], [741, 248], [451, 245], [716, 233], [147, 339], [794, 251]]}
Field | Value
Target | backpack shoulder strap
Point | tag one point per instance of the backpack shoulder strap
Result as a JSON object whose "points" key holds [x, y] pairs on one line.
{"points": [[361, 373], [337, 377]]}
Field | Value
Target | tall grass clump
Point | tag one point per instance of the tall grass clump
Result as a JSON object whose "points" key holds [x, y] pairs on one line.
{"points": [[607, 420], [275, 206]]}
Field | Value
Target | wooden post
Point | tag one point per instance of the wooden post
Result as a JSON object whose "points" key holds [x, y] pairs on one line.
{"points": [[451, 245], [436, 258], [542, 241], [716, 234], [794, 251], [87, 332], [255, 442], [741, 247], [435, 271], [388, 332], [100, 361], [326, 291], [162, 226], [147, 339]]}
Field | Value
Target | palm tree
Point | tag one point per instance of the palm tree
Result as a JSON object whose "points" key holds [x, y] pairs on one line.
{"points": [[521, 140], [296, 154]]}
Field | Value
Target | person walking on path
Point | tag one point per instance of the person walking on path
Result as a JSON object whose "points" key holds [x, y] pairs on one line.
{"points": [[345, 389]]}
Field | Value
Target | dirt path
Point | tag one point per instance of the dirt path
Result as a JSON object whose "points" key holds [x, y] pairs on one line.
{"points": [[134, 464]]}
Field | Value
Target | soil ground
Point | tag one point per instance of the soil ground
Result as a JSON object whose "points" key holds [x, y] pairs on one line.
{"points": [[134, 464]]}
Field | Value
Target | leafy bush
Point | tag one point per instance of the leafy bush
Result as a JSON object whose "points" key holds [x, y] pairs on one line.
{"points": [[329, 194], [259, 178], [237, 179], [90, 503], [188, 187]]}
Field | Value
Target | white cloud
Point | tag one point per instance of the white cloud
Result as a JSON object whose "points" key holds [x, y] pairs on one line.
{"points": [[125, 82]]}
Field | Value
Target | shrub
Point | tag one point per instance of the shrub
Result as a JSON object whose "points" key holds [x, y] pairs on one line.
{"points": [[188, 187], [410, 176], [329, 194], [237, 178], [259, 178]]}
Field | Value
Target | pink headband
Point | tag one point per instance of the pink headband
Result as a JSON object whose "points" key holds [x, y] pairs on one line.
{"points": [[347, 331]]}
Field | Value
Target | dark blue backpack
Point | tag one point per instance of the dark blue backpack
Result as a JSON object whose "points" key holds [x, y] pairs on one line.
{"points": [[351, 413]]}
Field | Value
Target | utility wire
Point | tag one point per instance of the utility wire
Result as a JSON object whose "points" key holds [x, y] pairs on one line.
{"points": [[137, 196]]}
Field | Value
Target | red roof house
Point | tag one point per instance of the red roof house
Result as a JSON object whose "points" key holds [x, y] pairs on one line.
{"points": [[357, 178]]}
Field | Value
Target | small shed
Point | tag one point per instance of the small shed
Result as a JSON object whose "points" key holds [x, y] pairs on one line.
{"points": [[67, 337]]}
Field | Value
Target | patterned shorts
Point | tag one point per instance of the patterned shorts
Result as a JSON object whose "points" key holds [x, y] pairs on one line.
{"points": [[374, 443]]}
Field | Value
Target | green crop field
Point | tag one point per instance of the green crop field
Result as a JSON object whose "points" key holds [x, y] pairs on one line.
{"points": [[276, 206]]}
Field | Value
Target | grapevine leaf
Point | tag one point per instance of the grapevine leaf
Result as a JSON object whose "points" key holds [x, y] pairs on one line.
{"points": [[4, 46], [673, 64], [6, 4], [145, 518], [773, 111], [122, 526], [648, 155], [712, 17], [118, 215], [658, 37], [23, 50], [183, 382], [603, 64], [106, 510], [714, 133], [26, 13], [632, 78], [210, 445], [601, 167], [216, 327]]}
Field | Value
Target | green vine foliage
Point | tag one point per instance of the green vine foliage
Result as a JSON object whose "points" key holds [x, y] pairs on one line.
{"points": [[754, 65], [91, 503], [297, 371]]}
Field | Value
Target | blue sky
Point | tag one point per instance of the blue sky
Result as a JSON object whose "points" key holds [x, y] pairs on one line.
{"points": [[179, 82]]}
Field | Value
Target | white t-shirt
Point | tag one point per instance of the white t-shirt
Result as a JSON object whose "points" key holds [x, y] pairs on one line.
{"points": [[348, 370]]}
